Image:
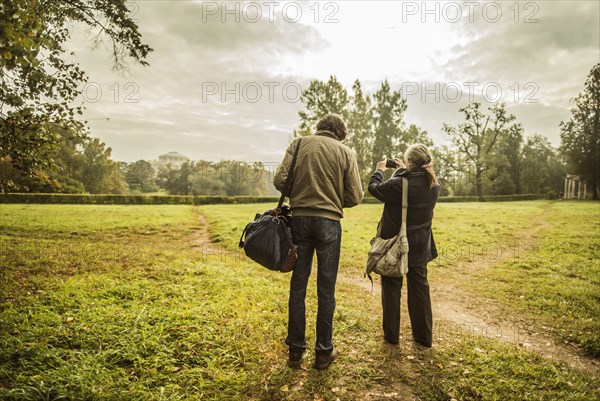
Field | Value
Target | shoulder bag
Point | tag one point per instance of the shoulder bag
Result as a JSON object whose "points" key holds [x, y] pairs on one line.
{"points": [[389, 257]]}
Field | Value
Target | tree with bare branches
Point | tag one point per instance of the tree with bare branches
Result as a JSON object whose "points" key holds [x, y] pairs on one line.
{"points": [[478, 136]]}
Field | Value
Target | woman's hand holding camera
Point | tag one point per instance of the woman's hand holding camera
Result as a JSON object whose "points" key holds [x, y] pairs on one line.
{"points": [[389, 163]]}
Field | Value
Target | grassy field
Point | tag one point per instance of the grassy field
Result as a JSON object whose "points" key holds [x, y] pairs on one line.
{"points": [[556, 284], [124, 302], [458, 228]]}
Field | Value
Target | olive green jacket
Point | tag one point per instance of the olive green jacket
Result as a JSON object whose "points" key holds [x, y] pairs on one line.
{"points": [[326, 177]]}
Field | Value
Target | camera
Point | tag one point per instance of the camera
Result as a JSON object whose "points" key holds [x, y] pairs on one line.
{"points": [[390, 163]]}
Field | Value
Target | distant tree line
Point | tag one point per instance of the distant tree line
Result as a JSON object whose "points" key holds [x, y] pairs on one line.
{"points": [[83, 165], [223, 178], [488, 154], [79, 164]]}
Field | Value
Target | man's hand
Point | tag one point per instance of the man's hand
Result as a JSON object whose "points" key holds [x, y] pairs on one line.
{"points": [[399, 163]]}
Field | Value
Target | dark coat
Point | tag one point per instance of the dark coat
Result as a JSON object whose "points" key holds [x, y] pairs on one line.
{"points": [[421, 202]]}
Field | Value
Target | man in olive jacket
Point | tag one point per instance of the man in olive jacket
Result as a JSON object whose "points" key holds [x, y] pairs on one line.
{"points": [[325, 180]]}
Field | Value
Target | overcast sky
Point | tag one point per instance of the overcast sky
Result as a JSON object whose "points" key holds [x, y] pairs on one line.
{"points": [[224, 82]]}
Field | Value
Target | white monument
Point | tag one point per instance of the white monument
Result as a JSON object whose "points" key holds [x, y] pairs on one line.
{"points": [[176, 159], [575, 187]]}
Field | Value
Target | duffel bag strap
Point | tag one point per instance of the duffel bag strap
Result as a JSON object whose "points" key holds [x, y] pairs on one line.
{"points": [[289, 182], [241, 244], [404, 206]]}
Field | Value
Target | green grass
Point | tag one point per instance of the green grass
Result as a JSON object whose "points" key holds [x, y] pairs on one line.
{"points": [[460, 229], [557, 282], [476, 368], [554, 278], [119, 302], [163, 322]]}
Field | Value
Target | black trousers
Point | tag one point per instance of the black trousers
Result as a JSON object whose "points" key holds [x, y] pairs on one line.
{"points": [[419, 306]]}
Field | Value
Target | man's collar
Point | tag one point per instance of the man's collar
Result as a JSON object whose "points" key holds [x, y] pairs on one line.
{"points": [[327, 133]]}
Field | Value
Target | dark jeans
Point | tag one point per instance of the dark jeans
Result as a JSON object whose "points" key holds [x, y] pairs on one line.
{"points": [[324, 236], [419, 305]]}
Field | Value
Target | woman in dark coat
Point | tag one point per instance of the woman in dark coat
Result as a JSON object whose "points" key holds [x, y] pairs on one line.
{"points": [[423, 190]]}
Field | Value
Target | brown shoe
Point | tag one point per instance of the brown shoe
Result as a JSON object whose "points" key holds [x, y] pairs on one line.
{"points": [[323, 361]]}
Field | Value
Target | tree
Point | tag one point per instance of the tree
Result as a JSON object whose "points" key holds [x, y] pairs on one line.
{"points": [[446, 169], [541, 169], [416, 135], [176, 181], [229, 177], [38, 87], [511, 146], [580, 136], [388, 120], [68, 162], [79, 165], [319, 99], [360, 128], [223, 178], [477, 137], [503, 175], [40, 181], [100, 174], [139, 176], [205, 180]]}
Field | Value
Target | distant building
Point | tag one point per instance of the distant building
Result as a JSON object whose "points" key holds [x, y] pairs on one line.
{"points": [[575, 187], [176, 159]]}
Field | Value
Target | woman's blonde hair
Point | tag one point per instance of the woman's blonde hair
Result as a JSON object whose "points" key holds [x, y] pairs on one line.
{"points": [[420, 156]]}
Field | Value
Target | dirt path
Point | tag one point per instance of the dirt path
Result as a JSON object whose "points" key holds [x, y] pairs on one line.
{"points": [[202, 234], [456, 309]]}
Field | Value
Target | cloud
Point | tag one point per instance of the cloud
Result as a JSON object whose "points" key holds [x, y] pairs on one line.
{"points": [[541, 63], [210, 36], [199, 95], [215, 28], [211, 91], [559, 45]]}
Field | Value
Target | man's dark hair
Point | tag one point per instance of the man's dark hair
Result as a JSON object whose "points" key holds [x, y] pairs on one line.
{"points": [[333, 123]]}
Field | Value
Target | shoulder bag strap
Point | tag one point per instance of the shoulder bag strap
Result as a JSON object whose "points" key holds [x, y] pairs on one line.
{"points": [[289, 182], [403, 225], [404, 206]]}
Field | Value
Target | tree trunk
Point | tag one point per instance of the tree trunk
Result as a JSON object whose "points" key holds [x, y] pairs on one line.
{"points": [[517, 179], [478, 184]]}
